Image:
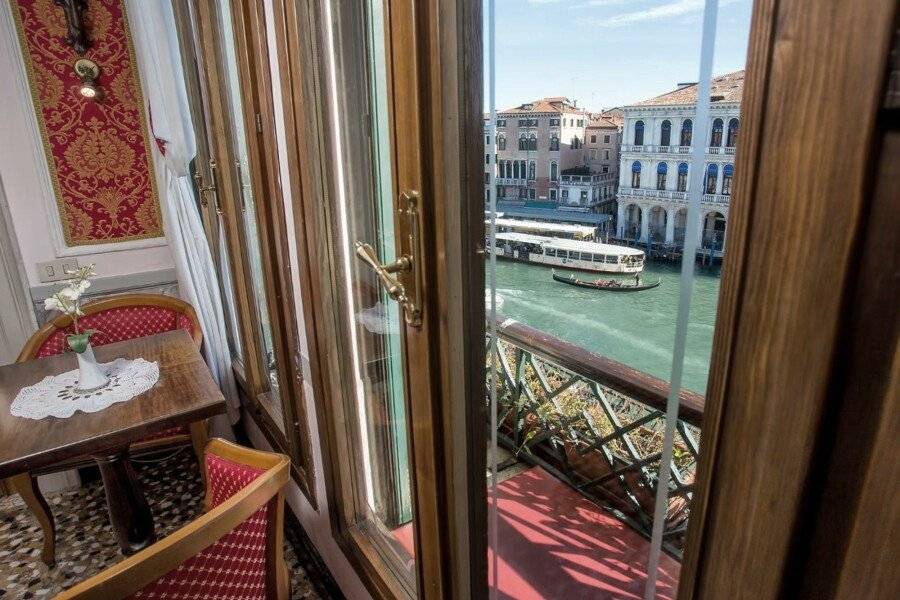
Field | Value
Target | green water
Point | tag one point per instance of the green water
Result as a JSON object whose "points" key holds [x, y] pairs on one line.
{"points": [[635, 328]]}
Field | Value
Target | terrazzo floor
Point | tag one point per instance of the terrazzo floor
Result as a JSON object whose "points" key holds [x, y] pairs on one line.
{"points": [[85, 543]]}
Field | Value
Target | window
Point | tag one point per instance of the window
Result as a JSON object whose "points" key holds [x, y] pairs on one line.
{"points": [[501, 142], [487, 178], [639, 133], [487, 140], [604, 169], [576, 143], [531, 193], [733, 126], [501, 122], [532, 142], [715, 139], [593, 139], [581, 122], [727, 176], [554, 142], [661, 171], [554, 171], [550, 251], [593, 154], [523, 142], [522, 168], [712, 175], [687, 132], [553, 194], [682, 177], [584, 195], [665, 134], [528, 122], [605, 139], [531, 168], [606, 155], [565, 194], [554, 122], [516, 170], [636, 174], [487, 159]]}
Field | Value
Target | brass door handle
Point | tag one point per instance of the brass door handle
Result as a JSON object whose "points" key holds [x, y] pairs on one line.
{"points": [[394, 288], [213, 187], [407, 267]]}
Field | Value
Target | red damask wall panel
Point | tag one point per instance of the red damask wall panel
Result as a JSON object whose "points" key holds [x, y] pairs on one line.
{"points": [[98, 153]]}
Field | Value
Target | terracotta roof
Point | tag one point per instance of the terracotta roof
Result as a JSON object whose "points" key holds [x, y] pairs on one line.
{"points": [[724, 88], [553, 104], [602, 123]]}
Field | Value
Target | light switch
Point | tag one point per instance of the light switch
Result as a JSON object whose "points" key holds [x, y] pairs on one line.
{"points": [[56, 270]]}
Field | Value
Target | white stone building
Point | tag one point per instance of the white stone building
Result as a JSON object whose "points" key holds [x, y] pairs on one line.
{"points": [[654, 164]]}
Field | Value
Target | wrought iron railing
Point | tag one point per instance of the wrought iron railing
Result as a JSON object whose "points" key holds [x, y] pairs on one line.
{"points": [[595, 424]]}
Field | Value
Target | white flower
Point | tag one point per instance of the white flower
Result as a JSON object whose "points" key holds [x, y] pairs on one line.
{"points": [[52, 303], [70, 293], [83, 285]]}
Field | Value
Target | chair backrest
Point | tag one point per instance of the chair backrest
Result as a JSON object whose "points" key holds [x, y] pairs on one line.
{"points": [[234, 551], [117, 318]]}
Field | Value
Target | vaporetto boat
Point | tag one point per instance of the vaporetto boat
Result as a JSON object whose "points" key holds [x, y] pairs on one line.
{"points": [[568, 254]]}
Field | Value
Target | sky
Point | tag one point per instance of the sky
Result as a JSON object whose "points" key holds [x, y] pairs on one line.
{"points": [[606, 53]]}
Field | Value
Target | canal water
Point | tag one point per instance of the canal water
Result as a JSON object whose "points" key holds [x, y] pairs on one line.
{"points": [[635, 328]]}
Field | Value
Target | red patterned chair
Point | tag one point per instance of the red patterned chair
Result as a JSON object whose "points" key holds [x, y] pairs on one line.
{"points": [[233, 552], [117, 318]]}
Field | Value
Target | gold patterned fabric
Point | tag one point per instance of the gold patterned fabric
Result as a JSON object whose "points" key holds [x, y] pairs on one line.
{"points": [[97, 151]]}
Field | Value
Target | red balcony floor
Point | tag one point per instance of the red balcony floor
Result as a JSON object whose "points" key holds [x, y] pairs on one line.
{"points": [[554, 543]]}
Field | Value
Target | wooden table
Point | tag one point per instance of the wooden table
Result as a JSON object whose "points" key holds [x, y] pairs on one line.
{"points": [[185, 393]]}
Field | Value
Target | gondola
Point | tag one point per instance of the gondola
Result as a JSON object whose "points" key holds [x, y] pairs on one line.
{"points": [[593, 285]]}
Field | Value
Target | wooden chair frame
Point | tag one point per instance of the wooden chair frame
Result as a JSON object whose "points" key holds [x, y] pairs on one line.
{"points": [[145, 567], [25, 484]]}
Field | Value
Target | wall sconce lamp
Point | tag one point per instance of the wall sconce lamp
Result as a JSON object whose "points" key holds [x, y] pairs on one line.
{"points": [[88, 71]]}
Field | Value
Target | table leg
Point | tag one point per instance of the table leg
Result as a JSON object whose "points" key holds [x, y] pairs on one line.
{"points": [[129, 512]]}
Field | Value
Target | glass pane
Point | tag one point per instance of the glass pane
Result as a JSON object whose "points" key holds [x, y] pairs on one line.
{"points": [[248, 207], [373, 321], [576, 463]]}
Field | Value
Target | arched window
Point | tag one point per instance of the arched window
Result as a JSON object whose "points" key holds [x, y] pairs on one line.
{"points": [[715, 140], [532, 142], [501, 142], [665, 134], [554, 142], [531, 167], [516, 170], [687, 132], [712, 174], [639, 133], [554, 171], [733, 126], [727, 176], [509, 168], [636, 174], [682, 177], [661, 170]]}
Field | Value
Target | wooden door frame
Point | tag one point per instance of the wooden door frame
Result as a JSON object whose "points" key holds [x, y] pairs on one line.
{"points": [[797, 249], [447, 414]]}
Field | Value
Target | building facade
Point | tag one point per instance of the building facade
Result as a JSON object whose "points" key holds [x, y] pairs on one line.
{"points": [[654, 164], [542, 155]]}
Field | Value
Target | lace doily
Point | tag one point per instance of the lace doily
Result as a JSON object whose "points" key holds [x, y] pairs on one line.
{"points": [[56, 396]]}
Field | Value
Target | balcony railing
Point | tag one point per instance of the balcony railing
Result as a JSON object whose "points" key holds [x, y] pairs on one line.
{"points": [[596, 424], [677, 150], [672, 195]]}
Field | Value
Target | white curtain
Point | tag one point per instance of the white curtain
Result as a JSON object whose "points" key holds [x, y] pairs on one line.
{"points": [[159, 62]]}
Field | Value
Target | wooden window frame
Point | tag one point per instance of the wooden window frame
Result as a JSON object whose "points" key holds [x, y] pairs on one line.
{"points": [[284, 423]]}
